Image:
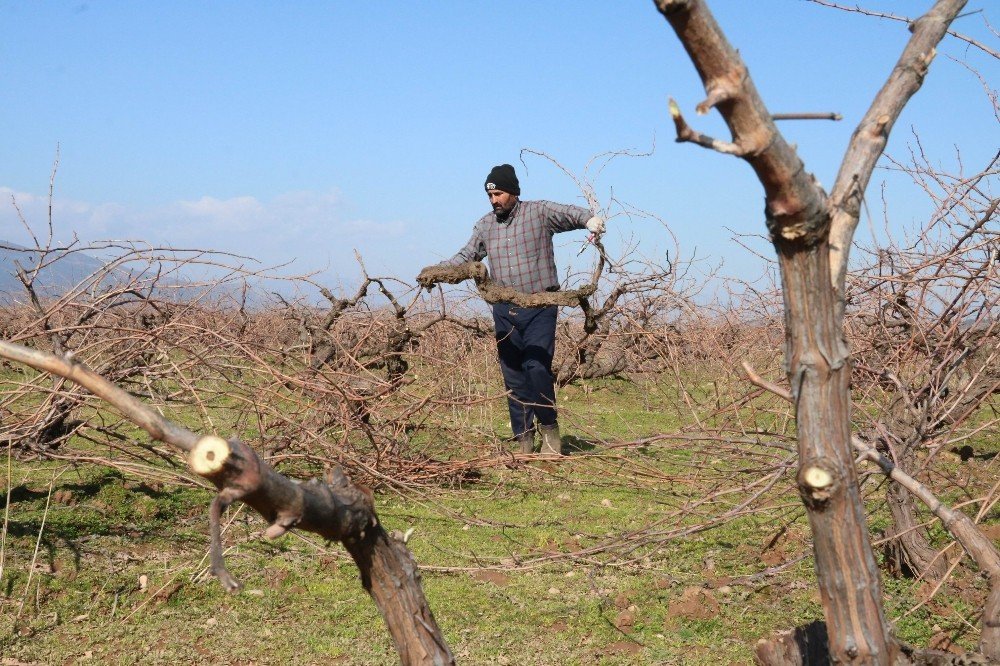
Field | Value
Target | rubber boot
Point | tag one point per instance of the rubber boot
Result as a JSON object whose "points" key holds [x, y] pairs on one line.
{"points": [[551, 442], [527, 441]]}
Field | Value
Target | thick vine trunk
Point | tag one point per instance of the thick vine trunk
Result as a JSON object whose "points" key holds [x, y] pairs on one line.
{"points": [[819, 373], [391, 577], [802, 645], [989, 641], [816, 358], [908, 552], [800, 218]]}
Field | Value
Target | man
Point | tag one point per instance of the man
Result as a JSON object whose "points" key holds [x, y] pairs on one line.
{"points": [[517, 239]]}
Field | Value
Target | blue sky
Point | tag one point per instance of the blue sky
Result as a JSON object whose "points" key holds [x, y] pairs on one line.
{"points": [[307, 130]]}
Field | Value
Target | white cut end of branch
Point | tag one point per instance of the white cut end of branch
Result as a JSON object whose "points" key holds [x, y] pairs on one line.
{"points": [[209, 455], [928, 57], [792, 232], [817, 478], [675, 111]]}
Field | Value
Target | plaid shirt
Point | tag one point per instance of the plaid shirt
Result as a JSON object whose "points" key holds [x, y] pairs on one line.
{"points": [[520, 248]]}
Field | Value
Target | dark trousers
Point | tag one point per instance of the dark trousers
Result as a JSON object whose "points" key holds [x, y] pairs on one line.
{"points": [[526, 342]]}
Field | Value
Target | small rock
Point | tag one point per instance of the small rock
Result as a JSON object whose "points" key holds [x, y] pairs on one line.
{"points": [[625, 620]]}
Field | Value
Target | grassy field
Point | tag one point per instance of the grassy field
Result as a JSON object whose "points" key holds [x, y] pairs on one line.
{"points": [[660, 553]]}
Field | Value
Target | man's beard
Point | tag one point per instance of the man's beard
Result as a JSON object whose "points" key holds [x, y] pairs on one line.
{"points": [[501, 213]]}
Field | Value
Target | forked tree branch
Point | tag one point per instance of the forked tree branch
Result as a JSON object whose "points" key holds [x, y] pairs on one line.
{"points": [[799, 219]]}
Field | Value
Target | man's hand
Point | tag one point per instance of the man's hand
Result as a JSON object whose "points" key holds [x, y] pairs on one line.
{"points": [[595, 225]]}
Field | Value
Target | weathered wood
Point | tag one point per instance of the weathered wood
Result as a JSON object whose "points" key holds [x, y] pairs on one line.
{"points": [[960, 526], [819, 373], [799, 218], [337, 510], [795, 647], [989, 641], [973, 541], [907, 550], [807, 646], [816, 357], [492, 292]]}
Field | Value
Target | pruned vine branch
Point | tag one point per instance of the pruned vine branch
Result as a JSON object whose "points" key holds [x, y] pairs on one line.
{"points": [[492, 292], [334, 508]]}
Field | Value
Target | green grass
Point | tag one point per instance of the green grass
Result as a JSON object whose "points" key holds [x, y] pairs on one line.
{"points": [[575, 562], [85, 596]]}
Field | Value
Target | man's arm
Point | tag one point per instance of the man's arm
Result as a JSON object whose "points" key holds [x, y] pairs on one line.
{"points": [[474, 250], [565, 217]]}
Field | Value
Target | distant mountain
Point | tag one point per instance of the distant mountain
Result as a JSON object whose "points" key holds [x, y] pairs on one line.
{"points": [[67, 270], [62, 274]]}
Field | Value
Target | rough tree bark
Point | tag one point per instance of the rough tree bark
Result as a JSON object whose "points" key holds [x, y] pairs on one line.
{"points": [[495, 293], [335, 508], [799, 218], [908, 552], [492, 292]]}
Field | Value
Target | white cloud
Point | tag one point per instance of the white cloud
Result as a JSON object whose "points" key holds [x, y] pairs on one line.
{"points": [[236, 214], [309, 227]]}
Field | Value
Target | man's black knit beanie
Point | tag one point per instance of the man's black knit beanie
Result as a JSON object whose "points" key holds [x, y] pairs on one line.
{"points": [[503, 178]]}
